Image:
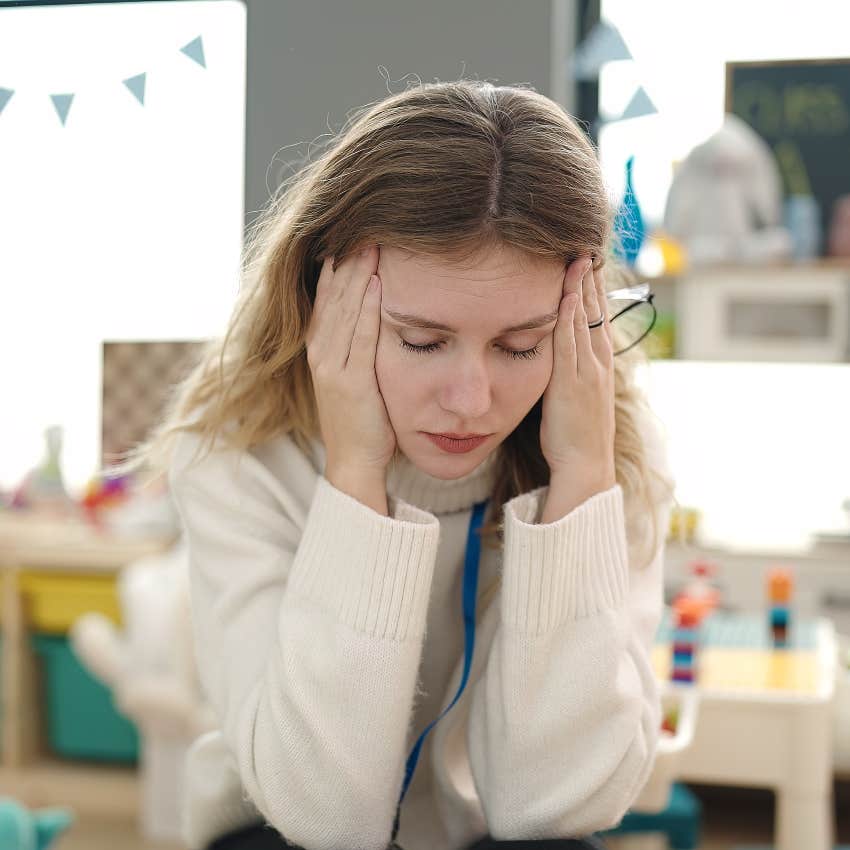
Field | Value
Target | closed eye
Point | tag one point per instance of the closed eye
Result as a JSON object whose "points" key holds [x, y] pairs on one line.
{"points": [[528, 354]]}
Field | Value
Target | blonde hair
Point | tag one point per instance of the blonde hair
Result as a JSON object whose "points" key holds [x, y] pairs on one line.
{"points": [[446, 169]]}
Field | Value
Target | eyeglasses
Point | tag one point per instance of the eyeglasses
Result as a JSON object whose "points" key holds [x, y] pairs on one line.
{"points": [[633, 315]]}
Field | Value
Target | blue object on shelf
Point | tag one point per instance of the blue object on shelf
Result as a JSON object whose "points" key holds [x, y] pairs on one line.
{"points": [[680, 821], [629, 228]]}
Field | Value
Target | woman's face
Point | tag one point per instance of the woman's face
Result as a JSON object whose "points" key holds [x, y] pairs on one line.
{"points": [[466, 381]]}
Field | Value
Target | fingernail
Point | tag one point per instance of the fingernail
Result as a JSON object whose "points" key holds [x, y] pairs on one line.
{"points": [[587, 267], [365, 251]]}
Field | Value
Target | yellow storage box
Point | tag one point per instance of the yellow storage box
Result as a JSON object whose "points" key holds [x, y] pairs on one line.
{"points": [[54, 600]]}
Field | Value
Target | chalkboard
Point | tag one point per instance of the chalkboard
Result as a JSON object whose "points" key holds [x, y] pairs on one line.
{"points": [[801, 108]]}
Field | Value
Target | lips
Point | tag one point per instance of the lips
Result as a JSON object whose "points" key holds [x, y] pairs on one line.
{"points": [[454, 445], [457, 436]]}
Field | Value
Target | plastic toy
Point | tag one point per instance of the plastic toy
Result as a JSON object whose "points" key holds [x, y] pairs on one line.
{"points": [[43, 487], [23, 829], [684, 523], [780, 584], [687, 616], [670, 721], [104, 492], [700, 588]]}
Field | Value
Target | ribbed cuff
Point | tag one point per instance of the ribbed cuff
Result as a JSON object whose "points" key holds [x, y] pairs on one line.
{"points": [[370, 571], [564, 570]]}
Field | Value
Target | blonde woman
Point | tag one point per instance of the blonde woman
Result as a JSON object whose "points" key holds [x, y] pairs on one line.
{"points": [[413, 640]]}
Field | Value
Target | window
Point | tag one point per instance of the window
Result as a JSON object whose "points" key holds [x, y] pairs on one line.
{"points": [[125, 223]]}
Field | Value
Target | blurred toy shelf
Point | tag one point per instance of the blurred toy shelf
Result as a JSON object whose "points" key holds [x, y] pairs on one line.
{"points": [[44, 562], [68, 544], [761, 266], [823, 571]]}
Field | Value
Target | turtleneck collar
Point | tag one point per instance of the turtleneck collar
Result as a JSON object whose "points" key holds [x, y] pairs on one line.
{"points": [[407, 482], [437, 495]]}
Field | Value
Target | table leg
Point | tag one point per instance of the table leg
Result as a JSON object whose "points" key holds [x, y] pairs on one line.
{"points": [[21, 715], [803, 820]]}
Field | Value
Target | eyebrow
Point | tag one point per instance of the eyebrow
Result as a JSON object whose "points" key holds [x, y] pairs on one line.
{"points": [[427, 324]]}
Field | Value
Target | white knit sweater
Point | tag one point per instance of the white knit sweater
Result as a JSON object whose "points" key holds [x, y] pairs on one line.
{"points": [[329, 636]]}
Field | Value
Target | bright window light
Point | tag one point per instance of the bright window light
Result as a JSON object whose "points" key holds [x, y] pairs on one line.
{"points": [[760, 448], [125, 223]]}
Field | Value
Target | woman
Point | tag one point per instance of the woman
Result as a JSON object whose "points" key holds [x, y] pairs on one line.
{"points": [[341, 601]]}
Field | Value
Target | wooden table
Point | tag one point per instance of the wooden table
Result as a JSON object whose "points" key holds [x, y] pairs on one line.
{"points": [[27, 770]]}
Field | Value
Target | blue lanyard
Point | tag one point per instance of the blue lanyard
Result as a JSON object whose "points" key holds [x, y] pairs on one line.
{"points": [[470, 592]]}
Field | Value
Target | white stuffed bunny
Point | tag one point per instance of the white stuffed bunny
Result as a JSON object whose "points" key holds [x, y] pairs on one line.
{"points": [[150, 668], [725, 202]]}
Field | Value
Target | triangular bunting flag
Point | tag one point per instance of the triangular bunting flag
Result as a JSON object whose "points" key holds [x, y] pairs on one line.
{"points": [[5, 94], [195, 50], [62, 103], [603, 44], [639, 105], [137, 86]]}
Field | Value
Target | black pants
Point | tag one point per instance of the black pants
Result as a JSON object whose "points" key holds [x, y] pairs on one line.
{"points": [[263, 837]]}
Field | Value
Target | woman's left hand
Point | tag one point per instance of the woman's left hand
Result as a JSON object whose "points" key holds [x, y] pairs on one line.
{"points": [[577, 428]]}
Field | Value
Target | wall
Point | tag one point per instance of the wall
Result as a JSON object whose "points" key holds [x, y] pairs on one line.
{"points": [[309, 64]]}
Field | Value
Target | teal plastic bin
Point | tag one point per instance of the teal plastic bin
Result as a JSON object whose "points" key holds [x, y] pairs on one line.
{"points": [[82, 720]]}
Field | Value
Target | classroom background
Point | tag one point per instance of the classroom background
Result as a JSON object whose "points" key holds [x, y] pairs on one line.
{"points": [[138, 140]]}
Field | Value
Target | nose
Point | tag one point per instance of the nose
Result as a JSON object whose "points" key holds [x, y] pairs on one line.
{"points": [[467, 393]]}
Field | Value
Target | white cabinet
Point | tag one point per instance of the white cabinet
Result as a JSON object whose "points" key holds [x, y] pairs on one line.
{"points": [[797, 312]]}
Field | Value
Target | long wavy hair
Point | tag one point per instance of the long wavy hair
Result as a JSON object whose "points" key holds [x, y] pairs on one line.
{"points": [[444, 169]]}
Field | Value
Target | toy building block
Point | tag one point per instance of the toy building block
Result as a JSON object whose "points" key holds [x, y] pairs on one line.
{"points": [[688, 614], [780, 586], [700, 588]]}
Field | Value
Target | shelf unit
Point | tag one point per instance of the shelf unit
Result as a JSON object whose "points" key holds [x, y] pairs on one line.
{"points": [[781, 311], [28, 771]]}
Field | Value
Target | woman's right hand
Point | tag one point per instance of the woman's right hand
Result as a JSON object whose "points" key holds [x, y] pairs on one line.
{"points": [[341, 343]]}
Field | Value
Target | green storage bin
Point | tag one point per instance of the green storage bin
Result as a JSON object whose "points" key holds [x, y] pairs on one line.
{"points": [[82, 720]]}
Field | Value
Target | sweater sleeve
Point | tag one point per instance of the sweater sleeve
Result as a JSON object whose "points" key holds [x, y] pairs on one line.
{"points": [[565, 719], [308, 635]]}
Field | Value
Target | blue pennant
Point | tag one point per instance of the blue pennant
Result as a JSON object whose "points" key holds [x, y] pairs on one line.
{"points": [[195, 50], [5, 94], [137, 86], [639, 105], [602, 44], [62, 103]]}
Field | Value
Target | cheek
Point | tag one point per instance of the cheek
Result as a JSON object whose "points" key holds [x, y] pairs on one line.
{"points": [[536, 375], [393, 374], [534, 383]]}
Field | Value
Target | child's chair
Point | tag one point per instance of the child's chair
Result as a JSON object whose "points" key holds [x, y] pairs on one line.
{"points": [[664, 805]]}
